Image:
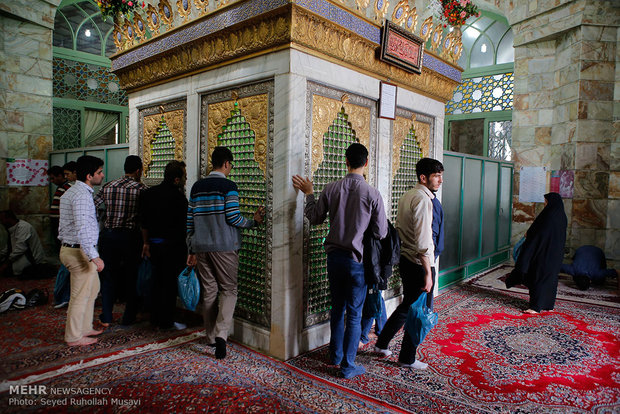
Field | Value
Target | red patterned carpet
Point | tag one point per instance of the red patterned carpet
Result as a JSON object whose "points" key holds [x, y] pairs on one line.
{"points": [[484, 356], [33, 338], [188, 378], [487, 356]]}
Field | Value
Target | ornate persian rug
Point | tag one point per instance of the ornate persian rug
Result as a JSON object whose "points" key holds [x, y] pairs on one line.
{"points": [[606, 294], [33, 338], [183, 375], [485, 355]]}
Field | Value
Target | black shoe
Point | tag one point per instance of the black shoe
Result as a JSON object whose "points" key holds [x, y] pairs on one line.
{"points": [[220, 348]]}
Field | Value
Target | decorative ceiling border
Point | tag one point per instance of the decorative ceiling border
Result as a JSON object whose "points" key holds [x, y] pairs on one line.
{"points": [[185, 38], [204, 27]]}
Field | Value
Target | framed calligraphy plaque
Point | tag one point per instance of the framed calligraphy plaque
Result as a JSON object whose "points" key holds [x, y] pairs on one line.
{"points": [[401, 48]]}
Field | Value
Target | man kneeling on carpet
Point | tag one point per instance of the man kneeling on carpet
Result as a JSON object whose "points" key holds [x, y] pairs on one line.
{"points": [[79, 234], [589, 266], [23, 255]]}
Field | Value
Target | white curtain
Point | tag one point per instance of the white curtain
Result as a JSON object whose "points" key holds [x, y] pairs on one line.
{"points": [[97, 124]]}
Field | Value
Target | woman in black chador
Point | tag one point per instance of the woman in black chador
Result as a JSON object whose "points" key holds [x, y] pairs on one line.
{"points": [[540, 259]]}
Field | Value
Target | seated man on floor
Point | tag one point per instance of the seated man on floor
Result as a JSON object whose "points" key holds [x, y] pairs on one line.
{"points": [[589, 266], [23, 255]]}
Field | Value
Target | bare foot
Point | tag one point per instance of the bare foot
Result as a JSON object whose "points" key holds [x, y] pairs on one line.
{"points": [[530, 311], [83, 341], [94, 332]]}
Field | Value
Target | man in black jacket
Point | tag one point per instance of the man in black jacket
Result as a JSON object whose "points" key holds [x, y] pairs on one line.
{"points": [[162, 212]]}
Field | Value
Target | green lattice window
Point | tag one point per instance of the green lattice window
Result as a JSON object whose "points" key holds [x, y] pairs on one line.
{"points": [[86, 82], [483, 94], [336, 140], [162, 150], [67, 127], [404, 180], [239, 137]]}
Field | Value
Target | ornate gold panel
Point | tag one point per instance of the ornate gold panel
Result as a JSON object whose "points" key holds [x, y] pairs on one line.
{"points": [[324, 111], [423, 135], [255, 110], [176, 125], [401, 128]]}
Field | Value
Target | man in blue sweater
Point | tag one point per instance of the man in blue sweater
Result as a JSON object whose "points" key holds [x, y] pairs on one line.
{"points": [[214, 239]]}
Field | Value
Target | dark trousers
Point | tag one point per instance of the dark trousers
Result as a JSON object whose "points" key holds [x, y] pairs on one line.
{"points": [[168, 260], [348, 292], [412, 276], [120, 251]]}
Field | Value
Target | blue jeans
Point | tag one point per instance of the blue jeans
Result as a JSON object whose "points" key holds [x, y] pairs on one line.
{"points": [[367, 323], [348, 292]]}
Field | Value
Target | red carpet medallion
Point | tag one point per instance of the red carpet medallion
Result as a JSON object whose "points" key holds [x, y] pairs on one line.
{"points": [[487, 356]]}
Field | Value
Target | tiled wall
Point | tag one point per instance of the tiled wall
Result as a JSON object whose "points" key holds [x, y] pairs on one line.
{"points": [[565, 117], [26, 97]]}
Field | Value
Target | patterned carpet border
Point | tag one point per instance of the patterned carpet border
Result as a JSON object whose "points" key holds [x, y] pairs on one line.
{"points": [[186, 377], [97, 360]]}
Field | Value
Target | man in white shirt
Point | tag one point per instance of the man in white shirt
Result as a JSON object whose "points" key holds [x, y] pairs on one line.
{"points": [[414, 223], [24, 249], [79, 234]]}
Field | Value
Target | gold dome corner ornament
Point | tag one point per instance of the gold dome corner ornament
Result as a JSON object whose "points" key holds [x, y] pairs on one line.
{"points": [[401, 13], [184, 8], [426, 28], [165, 12], [412, 20], [380, 9], [152, 19]]}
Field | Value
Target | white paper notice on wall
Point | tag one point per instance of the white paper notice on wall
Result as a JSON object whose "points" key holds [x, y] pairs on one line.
{"points": [[532, 184], [27, 172]]}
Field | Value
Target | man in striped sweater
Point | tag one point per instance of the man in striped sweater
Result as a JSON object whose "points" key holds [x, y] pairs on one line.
{"points": [[214, 225]]}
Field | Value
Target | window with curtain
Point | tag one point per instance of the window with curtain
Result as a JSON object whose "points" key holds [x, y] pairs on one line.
{"points": [[100, 128]]}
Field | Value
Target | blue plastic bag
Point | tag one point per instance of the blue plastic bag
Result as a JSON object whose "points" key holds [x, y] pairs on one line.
{"points": [[517, 249], [145, 278], [62, 286], [189, 288], [420, 320]]}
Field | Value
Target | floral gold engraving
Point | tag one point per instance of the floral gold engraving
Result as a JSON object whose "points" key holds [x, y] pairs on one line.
{"points": [[255, 110], [402, 126], [324, 111], [176, 124]]}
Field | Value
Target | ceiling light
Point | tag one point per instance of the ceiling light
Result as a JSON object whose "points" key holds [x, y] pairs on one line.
{"points": [[483, 48], [87, 33]]}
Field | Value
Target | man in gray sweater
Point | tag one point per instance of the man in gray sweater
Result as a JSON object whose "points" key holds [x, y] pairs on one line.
{"points": [[214, 225]]}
